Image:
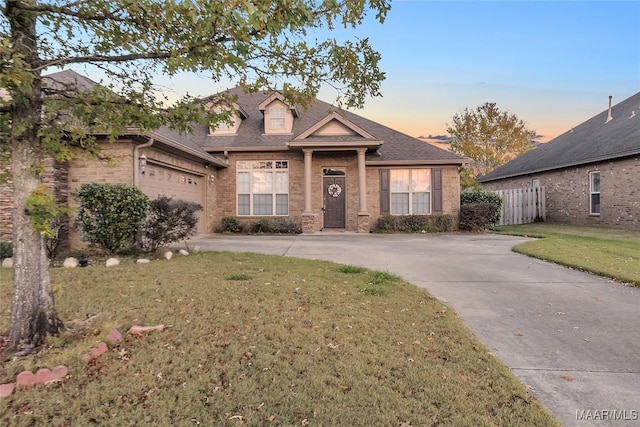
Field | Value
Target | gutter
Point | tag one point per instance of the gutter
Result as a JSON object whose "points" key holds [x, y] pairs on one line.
{"points": [[136, 160]]}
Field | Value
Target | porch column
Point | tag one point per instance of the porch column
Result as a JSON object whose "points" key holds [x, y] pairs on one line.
{"points": [[307, 181], [363, 212], [362, 183]]}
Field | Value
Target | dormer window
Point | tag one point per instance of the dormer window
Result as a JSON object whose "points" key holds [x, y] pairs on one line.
{"points": [[277, 117], [278, 114], [228, 128]]}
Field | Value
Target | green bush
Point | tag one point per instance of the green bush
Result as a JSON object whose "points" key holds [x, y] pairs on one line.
{"points": [[275, 225], [477, 216], [6, 250], [415, 223], [483, 196], [231, 225], [169, 221], [111, 215]]}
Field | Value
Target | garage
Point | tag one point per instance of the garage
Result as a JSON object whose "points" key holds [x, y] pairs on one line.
{"points": [[159, 180]]}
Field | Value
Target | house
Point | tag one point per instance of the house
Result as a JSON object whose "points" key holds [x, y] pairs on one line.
{"points": [[325, 168], [591, 173]]}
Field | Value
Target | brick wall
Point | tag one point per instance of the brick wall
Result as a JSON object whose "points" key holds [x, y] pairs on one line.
{"points": [[54, 176], [226, 190], [567, 193]]}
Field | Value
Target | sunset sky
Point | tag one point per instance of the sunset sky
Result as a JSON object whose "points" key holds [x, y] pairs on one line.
{"points": [[553, 63]]}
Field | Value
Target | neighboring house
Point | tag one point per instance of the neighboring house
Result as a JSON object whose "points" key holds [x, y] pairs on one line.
{"points": [[322, 167], [591, 173]]}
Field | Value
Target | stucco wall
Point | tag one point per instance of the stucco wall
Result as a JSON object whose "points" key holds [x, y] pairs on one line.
{"points": [[567, 193]]}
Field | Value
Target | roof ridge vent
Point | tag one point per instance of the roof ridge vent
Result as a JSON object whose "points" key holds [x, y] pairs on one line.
{"points": [[609, 117]]}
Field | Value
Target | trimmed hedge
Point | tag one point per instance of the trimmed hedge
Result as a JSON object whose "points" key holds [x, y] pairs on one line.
{"points": [[415, 224], [275, 225]]}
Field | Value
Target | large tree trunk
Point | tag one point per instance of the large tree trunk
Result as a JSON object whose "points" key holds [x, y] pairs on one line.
{"points": [[33, 315]]}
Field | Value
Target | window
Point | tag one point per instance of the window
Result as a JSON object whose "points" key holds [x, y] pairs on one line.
{"points": [[262, 187], [535, 182], [410, 191], [594, 193], [276, 117]]}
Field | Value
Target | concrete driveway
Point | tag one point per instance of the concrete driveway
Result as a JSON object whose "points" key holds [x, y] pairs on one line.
{"points": [[571, 337]]}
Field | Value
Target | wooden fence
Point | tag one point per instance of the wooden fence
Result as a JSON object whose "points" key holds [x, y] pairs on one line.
{"points": [[522, 206]]}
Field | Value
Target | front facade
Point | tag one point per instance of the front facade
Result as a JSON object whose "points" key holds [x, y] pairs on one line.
{"points": [[326, 169], [322, 168], [591, 173]]}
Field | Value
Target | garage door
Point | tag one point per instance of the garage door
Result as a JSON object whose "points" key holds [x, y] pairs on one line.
{"points": [[160, 180]]}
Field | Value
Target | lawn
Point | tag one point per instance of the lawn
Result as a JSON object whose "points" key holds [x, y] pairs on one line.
{"points": [[253, 340], [608, 252]]}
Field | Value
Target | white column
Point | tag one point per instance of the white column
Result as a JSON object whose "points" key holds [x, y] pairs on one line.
{"points": [[307, 181], [362, 182]]}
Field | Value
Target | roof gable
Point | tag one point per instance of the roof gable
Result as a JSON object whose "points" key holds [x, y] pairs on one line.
{"points": [[334, 124], [598, 139]]}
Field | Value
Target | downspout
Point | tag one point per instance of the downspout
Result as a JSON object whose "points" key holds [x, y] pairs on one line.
{"points": [[136, 161]]}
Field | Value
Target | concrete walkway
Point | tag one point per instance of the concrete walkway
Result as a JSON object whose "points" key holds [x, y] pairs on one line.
{"points": [[571, 337]]}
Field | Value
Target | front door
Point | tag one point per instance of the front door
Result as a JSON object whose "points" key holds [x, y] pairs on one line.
{"points": [[334, 196]]}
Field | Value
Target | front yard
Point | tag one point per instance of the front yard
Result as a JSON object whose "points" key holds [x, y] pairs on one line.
{"points": [[608, 252], [260, 340]]}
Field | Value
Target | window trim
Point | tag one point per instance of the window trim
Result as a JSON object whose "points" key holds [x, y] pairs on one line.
{"points": [[410, 192], [592, 193], [274, 193]]}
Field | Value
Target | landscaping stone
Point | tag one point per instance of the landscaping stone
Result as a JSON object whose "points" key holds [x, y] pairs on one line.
{"points": [[112, 262], [196, 249], [70, 262], [168, 255], [7, 263], [58, 373], [6, 390], [139, 330], [114, 336], [184, 252], [43, 376], [143, 261], [25, 379], [99, 349]]}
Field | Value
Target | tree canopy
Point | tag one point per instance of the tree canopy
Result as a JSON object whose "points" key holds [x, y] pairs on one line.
{"points": [[258, 44], [489, 137]]}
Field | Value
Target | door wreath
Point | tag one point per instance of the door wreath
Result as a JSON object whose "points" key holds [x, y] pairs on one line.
{"points": [[334, 190]]}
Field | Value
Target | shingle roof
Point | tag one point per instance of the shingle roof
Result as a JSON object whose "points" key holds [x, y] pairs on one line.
{"points": [[68, 79], [593, 141], [396, 147]]}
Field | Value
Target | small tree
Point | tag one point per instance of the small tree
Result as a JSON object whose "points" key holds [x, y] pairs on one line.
{"points": [[169, 221], [111, 215], [489, 137]]}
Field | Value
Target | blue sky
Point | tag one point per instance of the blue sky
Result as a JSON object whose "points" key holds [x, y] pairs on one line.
{"points": [[553, 63]]}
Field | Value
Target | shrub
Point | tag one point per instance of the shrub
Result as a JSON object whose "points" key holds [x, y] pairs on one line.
{"points": [[275, 225], [231, 225], [415, 223], [6, 250], [169, 221], [111, 215], [483, 196], [477, 216]]}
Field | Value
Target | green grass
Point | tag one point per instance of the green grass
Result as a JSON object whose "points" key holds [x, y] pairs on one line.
{"points": [[607, 252], [296, 342]]}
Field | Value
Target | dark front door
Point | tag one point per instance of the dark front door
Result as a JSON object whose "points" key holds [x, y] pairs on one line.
{"points": [[334, 195]]}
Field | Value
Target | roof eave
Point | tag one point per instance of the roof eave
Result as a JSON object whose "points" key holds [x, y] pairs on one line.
{"points": [[563, 166], [442, 162]]}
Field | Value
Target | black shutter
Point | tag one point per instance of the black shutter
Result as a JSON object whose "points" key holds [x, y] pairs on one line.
{"points": [[385, 195], [436, 188]]}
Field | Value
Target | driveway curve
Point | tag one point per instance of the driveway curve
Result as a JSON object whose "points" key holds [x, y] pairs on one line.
{"points": [[571, 337]]}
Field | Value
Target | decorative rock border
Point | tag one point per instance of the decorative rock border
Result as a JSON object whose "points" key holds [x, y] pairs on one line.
{"points": [[27, 379]]}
